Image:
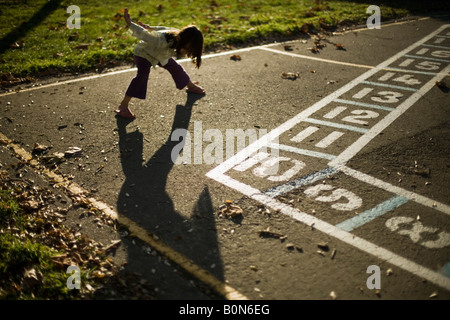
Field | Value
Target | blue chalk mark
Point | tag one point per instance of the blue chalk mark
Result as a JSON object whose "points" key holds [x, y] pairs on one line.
{"points": [[371, 214], [445, 270]]}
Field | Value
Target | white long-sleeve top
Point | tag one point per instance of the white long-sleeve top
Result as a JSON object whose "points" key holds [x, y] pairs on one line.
{"points": [[153, 45]]}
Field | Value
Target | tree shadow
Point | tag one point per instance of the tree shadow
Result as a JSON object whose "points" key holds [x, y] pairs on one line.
{"points": [[143, 197], [27, 26]]}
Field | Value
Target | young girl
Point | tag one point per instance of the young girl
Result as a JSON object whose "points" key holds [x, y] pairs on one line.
{"points": [[158, 47]]}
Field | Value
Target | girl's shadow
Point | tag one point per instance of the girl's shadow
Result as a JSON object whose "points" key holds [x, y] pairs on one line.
{"points": [[144, 199]]}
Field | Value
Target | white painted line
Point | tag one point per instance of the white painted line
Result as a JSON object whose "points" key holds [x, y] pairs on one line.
{"points": [[422, 51], [362, 104], [305, 133], [406, 63], [336, 125], [371, 214], [362, 93], [330, 139], [315, 58], [388, 85], [335, 112], [213, 55]]}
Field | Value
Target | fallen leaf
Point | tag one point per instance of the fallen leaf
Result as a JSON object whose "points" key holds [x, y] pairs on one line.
{"points": [[229, 210], [339, 46], [39, 148], [18, 45], [82, 46], [441, 84], [290, 75], [73, 151], [235, 57]]}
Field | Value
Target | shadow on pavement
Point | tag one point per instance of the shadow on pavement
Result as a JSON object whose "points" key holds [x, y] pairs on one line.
{"points": [[143, 197], [24, 28]]}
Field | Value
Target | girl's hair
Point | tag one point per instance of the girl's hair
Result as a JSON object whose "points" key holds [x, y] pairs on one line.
{"points": [[190, 39]]}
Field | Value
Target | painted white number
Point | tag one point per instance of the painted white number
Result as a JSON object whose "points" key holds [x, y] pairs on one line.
{"points": [[408, 79], [408, 226], [358, 114], [441, 54], [269, 166], [361, 114], [353, 201], [428, 65], [388, 97]]}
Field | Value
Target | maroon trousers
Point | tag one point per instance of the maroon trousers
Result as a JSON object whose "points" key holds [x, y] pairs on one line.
{"points": [[138, 86]]}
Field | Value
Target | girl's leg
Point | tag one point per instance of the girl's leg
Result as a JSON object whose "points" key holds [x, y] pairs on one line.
{"points": [[137, 87], [181, 77]]}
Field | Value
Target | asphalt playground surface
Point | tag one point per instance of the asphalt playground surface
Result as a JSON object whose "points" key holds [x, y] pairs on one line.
{"points": [[361, 138]]}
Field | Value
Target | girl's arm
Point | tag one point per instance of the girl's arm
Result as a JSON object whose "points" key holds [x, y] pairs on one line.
{"points": [[138, 30], [153, 28]]}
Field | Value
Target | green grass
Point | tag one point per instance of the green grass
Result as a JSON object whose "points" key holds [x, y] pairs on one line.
{"points": [[18, 254], [47, 47]]}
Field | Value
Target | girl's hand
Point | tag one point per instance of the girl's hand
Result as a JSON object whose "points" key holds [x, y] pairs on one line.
{"points": [[126, 15]]}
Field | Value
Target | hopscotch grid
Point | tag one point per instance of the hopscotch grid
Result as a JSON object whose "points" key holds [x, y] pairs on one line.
{"points": [[218, 173], [351, 151], [240, 156]]}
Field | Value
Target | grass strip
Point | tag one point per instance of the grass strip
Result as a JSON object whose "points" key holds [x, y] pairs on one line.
{"points": [[36, 40]]}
